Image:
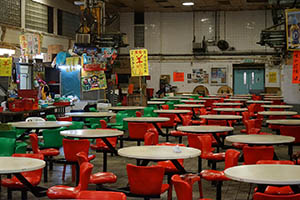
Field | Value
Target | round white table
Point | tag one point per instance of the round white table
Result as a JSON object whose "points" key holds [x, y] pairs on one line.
{"points": [[94, 134], [40, 124], [37, 125], [221, 117], [272, 96], [263, 140], [91, 114], [238, 100], [159, 99], [210, 98], [259, 102], [278, 113], [235, 110], [228, 104], [160, 153], [264, 175], [121, 108], [152, 120], [17, 165], [284, 122], [191, 106], [155, 102], [176, 112], [260, 139], [241, 97], [277, 106], [207, 129], [193, 101]]}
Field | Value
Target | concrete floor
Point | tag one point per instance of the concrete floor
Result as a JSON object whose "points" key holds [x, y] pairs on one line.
{"points": [[231, 190]]}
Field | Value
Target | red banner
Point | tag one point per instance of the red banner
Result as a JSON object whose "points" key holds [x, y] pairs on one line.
{"points": [[178, 76], [296, 67]]}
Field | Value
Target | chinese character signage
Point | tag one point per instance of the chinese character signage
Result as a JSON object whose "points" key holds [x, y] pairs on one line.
{"points": [[178, 76], [5, 66], [272, 77], [30, 44], [139, 62], [296, 68]]}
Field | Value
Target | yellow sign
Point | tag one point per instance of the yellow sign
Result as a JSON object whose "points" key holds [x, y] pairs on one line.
{"points": [[272, 77], [139, 62], [5, 66]]}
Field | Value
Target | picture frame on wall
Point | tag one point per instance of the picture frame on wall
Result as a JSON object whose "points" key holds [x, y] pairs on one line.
{"points": [[218, 76], [293, 29]]}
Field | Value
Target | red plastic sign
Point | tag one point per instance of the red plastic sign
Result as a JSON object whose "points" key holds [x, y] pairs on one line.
{"points": [[296, 68], [178, 76]]}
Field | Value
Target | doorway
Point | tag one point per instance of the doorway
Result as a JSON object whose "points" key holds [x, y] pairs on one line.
{"points": [[248, 80]]}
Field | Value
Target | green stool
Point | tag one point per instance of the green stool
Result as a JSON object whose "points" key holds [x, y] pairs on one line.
{"points": [[20, 146], [52, 138], [7, 146]]}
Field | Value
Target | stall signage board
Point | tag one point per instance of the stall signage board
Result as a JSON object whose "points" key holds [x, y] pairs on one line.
{"points": [[5, 66], [296, 68], [139, 62]]}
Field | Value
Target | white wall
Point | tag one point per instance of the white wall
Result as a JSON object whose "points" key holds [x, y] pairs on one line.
{"points": [[290, 92], [12, 37], [172, 33]]}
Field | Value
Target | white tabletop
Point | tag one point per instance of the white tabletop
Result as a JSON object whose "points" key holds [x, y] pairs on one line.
{"points": [[179, 97], [189, 105], [221, 117], [190, 94], [40, 124], [273, 99], [91, 133], [193, 101], [146, 119], [258, 102], [155, 102], [210, 98], [205, 129], [265, 174], [10, 165], [273, 96], [260, 139], [172, 111], [287, 122], [277, 113], [159, 99], [241, 99], [91, 114], [230, 109], [158, 152], [227, 104], [277, 106], [118, 108]]}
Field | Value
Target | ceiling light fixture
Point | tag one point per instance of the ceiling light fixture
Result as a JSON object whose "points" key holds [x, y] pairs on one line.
{"points": [[188, 3]]}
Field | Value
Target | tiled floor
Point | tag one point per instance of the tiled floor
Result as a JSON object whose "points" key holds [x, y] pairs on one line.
{"points": [[230, 191]]}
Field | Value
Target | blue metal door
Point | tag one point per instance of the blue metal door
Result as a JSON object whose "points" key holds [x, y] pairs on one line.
{"points": [[248, 80]]}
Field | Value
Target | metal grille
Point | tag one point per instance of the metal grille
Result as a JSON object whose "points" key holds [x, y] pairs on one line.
{"points": [[139, 35], [70, 23], [36, 16], [10, 12]]}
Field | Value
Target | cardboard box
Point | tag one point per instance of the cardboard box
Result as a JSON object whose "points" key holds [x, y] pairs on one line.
{"points": [[55, 49]]}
